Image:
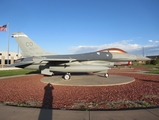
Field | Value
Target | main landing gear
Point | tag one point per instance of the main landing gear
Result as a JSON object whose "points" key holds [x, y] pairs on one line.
{"points": [[67, 76], [106, 75]]}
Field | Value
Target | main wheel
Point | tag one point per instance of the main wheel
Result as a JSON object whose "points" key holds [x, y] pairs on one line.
{"points": [[106, 75], [67, 76]]}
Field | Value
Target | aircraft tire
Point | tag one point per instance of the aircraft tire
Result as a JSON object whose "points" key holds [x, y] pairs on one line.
{"points": [[106, 75], [67, 76]]}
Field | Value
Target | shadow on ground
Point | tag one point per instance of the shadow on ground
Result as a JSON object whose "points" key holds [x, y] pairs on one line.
{"points": [[46, 112]]}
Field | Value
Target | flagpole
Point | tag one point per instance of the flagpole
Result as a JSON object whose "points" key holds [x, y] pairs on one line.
{"points": [[8, 41]]}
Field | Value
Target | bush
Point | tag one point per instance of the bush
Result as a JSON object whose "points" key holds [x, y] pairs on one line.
{"points": [[155, 61]]}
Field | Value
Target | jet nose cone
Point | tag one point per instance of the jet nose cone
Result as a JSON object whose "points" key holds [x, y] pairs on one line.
{"points": [[140, 58]]}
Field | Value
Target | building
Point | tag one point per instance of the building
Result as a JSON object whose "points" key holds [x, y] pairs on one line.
{"points": [[153, 57], [5, 59]]}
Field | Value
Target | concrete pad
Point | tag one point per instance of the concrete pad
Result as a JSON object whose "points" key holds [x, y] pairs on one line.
{"points": [[89, 80]]}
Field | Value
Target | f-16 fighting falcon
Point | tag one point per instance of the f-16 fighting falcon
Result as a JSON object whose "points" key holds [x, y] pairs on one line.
{"points": [[36, 58]]}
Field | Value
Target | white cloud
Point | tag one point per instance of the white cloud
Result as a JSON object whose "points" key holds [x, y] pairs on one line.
{"points": [[152, 50], [125, 45], [153, 41], [150, 40]]}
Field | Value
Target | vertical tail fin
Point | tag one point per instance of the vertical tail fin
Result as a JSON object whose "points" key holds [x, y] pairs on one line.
{"points": [[27, 46]]}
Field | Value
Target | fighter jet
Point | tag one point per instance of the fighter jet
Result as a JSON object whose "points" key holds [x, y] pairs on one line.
{"points": [[38, 59]]}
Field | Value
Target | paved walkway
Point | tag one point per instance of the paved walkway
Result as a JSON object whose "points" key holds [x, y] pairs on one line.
{"points": [[21, 113]]}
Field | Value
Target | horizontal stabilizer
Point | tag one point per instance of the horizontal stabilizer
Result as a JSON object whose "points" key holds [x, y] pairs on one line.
{"points": [[20, 64]]}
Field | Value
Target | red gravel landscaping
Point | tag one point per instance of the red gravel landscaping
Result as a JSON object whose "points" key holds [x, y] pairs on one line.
{"points": [[30, 91]]}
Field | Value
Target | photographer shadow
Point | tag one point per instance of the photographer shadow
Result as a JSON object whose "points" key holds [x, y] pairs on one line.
{"points": [[46, 110]]}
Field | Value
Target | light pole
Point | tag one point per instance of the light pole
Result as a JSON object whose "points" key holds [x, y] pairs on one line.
{"points": [[143, 51]]}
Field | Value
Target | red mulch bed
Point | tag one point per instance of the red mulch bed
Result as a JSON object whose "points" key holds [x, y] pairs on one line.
{"points": [[30, 91]]}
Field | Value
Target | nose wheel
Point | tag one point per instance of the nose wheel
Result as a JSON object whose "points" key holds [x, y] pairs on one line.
{"points": [[106, 75], [67, 76]]}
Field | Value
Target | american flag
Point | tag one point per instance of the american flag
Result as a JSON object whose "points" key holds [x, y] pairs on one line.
{"points": [[3, 28]]}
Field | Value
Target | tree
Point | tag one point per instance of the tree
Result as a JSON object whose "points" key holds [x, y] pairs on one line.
{"points": [[155, 61]]}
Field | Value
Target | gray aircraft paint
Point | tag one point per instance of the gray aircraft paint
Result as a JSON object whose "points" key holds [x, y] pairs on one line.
{"points": [[85, 56], [28, 47], [81, 68], [36, 58]]}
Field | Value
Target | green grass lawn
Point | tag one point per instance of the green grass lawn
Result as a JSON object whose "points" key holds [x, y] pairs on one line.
{"points": [[154, 68], [4, 73], [153, 71], [145, 66]]}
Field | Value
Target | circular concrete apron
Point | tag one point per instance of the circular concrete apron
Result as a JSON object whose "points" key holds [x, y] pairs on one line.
{"points": [[88, 80]]}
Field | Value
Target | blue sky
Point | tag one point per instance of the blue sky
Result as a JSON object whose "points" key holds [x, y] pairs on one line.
{"points": [[77, 26]]}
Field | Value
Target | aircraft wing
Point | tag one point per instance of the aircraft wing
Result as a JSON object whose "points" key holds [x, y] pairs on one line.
{"points": [[38, 59], [20, 64]]}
